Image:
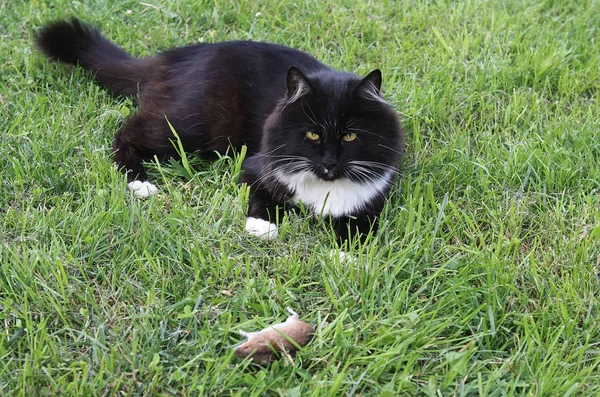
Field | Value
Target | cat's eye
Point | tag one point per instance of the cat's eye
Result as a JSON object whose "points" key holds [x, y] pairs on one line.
{"points": [[349, 137], [312, 136]]}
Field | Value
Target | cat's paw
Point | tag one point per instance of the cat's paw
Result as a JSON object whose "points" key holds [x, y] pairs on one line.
{"points": [[343, 257], [261, 228], [142, 189]]}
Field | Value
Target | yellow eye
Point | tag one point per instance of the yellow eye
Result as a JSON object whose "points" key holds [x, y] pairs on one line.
{"points": [[349, 137], [312, 136]]}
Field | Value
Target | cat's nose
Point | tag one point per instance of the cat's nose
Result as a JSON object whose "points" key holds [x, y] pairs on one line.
{"points": [[329, 164], [329, 160]]}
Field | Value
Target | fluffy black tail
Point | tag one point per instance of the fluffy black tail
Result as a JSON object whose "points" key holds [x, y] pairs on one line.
{"points": [[77, 43]]}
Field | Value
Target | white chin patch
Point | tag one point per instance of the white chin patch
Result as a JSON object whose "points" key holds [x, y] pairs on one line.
{"points": [[261, 228], [142, 189], [336, 198]]}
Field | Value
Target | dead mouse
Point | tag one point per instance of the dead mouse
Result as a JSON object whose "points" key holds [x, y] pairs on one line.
{"points": [[261, 346]]}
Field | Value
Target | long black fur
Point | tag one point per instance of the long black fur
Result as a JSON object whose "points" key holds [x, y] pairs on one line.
{"points": [[262, 95]]}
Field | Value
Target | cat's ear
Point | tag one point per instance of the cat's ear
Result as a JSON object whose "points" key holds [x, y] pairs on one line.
{"points": [[370, 86], [297, 84]]}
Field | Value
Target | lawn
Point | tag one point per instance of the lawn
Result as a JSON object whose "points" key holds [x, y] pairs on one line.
{"points": [[483, 280]]}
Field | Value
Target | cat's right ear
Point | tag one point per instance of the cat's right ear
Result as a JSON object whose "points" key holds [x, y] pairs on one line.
{"points": [[297, 84], [370, 86]]}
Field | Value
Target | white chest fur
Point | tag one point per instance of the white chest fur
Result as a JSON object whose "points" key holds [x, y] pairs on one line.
{"points": [[336, 198]]}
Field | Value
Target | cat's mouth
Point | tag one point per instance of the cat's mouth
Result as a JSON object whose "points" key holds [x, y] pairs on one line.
{"points": [[327, 174]]}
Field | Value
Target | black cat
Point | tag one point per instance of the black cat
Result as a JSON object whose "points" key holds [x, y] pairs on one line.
{"points": [[315, 136]]}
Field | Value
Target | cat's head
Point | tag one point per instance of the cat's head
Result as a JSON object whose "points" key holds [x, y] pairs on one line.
{"points": [[334, 125]]}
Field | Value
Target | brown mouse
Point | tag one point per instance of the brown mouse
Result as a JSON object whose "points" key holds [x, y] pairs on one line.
{"points": [[263, 345]]}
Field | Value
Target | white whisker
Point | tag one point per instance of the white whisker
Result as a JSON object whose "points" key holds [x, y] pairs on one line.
{"points": [[389, 148], [366, 132]]}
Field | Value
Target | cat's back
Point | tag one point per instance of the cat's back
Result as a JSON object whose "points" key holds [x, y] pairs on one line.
{"points": [[222, 91], [240, 56]]}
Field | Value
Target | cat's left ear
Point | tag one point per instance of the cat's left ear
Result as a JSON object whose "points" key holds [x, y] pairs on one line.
{"points": [[297, 83], [370, 86]]}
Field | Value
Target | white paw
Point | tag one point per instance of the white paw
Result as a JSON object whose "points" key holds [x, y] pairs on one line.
{"points": [[142, 189], [261, 228], [342, 256]]}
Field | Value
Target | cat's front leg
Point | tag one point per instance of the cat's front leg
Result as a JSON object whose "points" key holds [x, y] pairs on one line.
{"points": [[263, 210], [349, 228], [263, 214]]}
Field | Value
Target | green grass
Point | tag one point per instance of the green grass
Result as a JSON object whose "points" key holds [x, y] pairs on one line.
{"points": [[484, 279]]}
